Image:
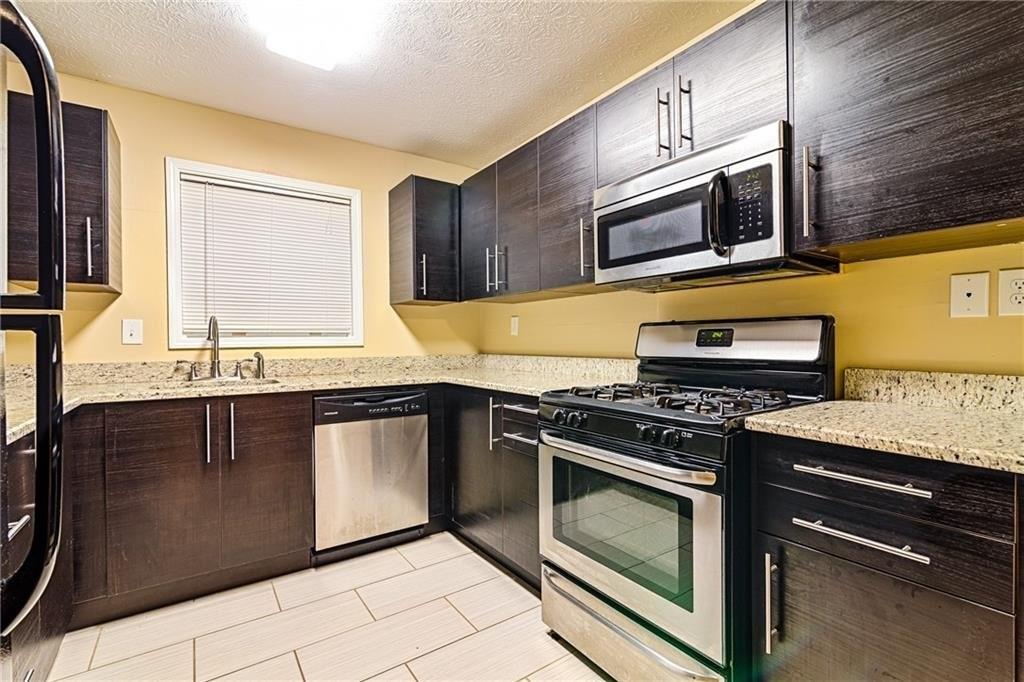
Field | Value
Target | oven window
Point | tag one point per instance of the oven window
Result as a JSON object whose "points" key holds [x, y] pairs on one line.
{"points": [[660, 228], [643, 533]]}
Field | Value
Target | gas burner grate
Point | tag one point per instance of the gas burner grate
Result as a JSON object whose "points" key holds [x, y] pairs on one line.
{"points": [[617, 392]]}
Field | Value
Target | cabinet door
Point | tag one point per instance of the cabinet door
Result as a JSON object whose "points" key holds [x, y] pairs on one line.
{"points": [[163, 492], [85, 452], [476, 464], [912, 112], [518, 265], [837, 620], [437, 240], [478, 235], [732, 81], [634, 126], [85, 179], [520, 518], [567, 180], [266, 492]]}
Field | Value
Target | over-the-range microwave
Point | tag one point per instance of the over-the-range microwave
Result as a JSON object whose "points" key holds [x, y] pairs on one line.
{"points": [[714, 216]]}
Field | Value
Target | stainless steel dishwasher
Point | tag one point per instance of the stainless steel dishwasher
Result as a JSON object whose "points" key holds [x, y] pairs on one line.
{"points": [[370, 465]]}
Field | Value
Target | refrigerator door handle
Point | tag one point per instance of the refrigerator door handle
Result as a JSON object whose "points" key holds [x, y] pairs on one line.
{"points": [[21, 38], [23, 588]]}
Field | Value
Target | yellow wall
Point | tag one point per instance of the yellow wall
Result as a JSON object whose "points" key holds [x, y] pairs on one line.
{"points": [[890, 313], [151, 128]]}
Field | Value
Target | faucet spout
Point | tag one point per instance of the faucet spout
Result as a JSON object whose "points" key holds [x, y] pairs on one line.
{"points": [[213, 334]]}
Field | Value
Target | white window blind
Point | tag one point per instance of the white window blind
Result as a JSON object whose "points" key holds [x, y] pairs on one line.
{"points": [[275, 260]]}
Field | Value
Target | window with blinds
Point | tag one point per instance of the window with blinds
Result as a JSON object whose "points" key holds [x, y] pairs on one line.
{"points": [[276, 260]]}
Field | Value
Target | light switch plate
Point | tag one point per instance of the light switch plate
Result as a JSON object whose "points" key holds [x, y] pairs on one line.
{"points": [[513, 325], [968, 295], [1011, 292], [131, 332]]}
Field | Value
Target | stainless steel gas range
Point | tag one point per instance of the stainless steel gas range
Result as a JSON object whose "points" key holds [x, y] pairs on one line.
{"points": [[645, 494]]}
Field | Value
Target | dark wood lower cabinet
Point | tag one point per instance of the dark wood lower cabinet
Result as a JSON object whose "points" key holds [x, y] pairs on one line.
{"points": [[520, 529], [476, 462], [837, 620], [85, 449]]}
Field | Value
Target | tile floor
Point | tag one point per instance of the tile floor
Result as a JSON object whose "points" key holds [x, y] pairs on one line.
{"points": [[427, 610]]}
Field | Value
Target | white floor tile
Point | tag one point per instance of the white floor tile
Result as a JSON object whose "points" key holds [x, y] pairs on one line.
{"points": [[567, 669], [75, 652], [243, 645], [283, 668], [493, 601], [153, 630], [433, 549], [306, 586], [509, 650], [384, 644], [399, 674], [425, 584], [170, 663]]}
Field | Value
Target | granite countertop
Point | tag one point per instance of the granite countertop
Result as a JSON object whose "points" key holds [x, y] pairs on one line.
{"points": [[916, 420], [532, 379]]}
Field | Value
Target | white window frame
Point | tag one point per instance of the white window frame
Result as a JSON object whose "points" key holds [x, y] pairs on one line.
{"points": [[175, 329]]}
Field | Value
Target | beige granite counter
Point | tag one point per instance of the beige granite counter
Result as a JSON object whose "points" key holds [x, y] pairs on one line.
{"points": [[114, 382], [965, 418]]}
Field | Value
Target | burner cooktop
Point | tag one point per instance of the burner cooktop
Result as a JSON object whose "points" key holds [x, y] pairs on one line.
{"points": [[712, 402]]}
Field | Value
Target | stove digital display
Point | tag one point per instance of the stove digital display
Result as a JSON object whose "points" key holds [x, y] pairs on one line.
{"points": [[714, 338]]}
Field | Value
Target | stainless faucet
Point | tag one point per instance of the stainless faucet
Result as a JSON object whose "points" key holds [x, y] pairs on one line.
{"points": [[261, 367], [213, 334]]}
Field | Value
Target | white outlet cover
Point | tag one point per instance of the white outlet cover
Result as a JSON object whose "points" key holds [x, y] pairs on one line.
{"points": [[513, 325], [131, 332], [968, 295], [1011, 292]]}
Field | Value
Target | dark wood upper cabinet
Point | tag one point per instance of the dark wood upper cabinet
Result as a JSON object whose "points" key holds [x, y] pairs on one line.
{"points": [[92, 177], [518, 264], [838, 620], [479, 235], [567, 168], [634, 126], [732, 81], [912, 112], [163, 492], [423, 221], [266, 491]]}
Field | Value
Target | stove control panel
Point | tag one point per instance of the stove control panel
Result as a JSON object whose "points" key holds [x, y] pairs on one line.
{"points": [[664, 436], [572, 418]]}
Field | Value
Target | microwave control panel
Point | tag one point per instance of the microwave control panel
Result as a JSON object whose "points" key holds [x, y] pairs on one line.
{"points": [[750, 217]]}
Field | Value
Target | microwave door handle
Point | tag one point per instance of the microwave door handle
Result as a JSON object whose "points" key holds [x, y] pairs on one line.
{"points": [[716, 201], [24, 587], [21, 38]]}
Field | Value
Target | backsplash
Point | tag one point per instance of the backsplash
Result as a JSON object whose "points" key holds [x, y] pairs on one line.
{"points": [[937, 389]]}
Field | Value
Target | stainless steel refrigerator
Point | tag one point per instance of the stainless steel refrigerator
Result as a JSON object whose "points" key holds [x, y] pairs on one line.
{"points": [[32, 467]]}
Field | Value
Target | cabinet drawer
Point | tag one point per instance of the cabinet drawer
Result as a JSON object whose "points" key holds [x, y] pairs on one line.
{"points": [[977, 500], [519, 426], [964, 564]]}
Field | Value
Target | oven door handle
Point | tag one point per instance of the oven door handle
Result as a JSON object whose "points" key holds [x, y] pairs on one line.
{"points": [[686, 476]]}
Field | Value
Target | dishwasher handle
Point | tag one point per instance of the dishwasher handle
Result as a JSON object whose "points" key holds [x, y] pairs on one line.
{"points": [[365, 406]]}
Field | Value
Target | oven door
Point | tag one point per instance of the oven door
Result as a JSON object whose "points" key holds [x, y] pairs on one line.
{"points": [[645, 535], [663, 232]]}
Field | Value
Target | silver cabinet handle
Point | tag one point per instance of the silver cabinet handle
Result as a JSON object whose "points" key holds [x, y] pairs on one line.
{"points": [[88, 246], [231, 415], [503, 253], [667, 103], [905, 489], [688, 91], [15, 527], [487, 261], [808, 167], [701, 478], [207, 433], [552, 582], [520, 408], [29, 675], [583, 250], [903, 552], [423, 269], [491, 440], [521, 439], [769, 631]]}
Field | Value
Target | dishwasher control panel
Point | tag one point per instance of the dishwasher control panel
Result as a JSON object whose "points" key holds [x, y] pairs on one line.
{"points": [[363, 406]]}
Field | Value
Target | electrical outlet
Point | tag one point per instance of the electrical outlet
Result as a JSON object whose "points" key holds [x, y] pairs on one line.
{"points": [[1011, 292], [131, 332], [968, 295], [513, 325]]}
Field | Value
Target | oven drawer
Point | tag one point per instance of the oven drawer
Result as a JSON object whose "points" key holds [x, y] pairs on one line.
{"points": [[972, 499], [967, 565]]}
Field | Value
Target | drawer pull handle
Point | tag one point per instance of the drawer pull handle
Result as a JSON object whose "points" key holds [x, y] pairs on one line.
{"points": [[906, 489], [520, 408], [15, 527], [770, 568], [521, 439], [903, 552]]}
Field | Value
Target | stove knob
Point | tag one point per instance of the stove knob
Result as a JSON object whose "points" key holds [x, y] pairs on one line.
{"points": [[645, 433], [559, 416], [574, 419], [670, 438]]}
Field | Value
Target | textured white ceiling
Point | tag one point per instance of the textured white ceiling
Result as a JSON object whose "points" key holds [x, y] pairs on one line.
{"points": [[461, 81]]}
